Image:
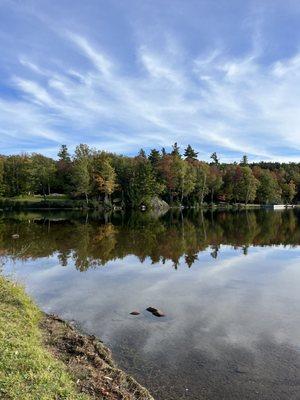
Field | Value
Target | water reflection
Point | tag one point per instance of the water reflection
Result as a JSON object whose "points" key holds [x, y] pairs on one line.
{"points": [[232, 329], [92, 241]]}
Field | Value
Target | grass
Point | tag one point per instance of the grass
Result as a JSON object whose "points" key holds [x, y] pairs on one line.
{"points": [[39, 202], [38, 198], [27, 370]]}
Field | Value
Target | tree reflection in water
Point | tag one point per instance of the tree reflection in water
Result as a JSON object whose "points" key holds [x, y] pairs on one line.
{"points": [[93, 240]]}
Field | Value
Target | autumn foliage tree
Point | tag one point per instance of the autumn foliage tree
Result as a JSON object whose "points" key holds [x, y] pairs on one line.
{"points": [[133, 181], [104, 176]]}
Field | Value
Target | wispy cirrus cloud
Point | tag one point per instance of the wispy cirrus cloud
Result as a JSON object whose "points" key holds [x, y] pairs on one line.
{"points": [[215, 100]]}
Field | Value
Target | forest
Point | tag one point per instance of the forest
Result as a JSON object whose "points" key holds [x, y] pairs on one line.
{"points": [[179, 178]]}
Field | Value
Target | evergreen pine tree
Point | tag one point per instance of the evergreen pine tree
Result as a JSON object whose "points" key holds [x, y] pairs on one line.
{"points": [[190, 153]]}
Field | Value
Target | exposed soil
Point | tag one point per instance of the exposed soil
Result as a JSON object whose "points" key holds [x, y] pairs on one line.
{"points": [[90, 362]]}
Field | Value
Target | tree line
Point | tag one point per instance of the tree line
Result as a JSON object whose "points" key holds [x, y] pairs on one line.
{"points": [[177, 178]]}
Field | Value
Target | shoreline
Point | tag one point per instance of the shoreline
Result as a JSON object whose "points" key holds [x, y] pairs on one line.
{"points": [[89, 361], [11, 205], [78, 366]]}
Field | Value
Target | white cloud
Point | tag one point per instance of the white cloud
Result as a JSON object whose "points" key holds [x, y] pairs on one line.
{"points": [[35, 92], [98, 59], [25, 122], [239, 105]]}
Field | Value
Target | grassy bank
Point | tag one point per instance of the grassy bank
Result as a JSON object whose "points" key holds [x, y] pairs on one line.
{"points": [[44, 358], [39, 202], [27, 370]]}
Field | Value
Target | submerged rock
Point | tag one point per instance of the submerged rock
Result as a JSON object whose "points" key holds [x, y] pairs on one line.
{"points": [[156, 311], [135, 313]]}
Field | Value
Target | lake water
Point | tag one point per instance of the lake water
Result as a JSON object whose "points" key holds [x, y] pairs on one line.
{"points": [[228, 282]]}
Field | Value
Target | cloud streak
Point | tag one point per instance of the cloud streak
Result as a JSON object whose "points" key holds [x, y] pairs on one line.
{"points": [[213, 100]]}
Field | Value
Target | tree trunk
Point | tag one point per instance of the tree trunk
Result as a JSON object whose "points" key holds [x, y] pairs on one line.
{"points": [[247, 194], [203, 188]]}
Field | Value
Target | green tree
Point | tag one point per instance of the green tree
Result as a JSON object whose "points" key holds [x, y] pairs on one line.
{"points": [[154, 156], [43, 170], [239, 183], [230, 180], [142, 183], [289, 191], [244, 161], [63, 154], [17, 175], [269, 191], [142, 154], [64, 170], [190, 153], [81, 171], [176, 150], [201, 188], [187, 176], [214, 157], [246, 186]]}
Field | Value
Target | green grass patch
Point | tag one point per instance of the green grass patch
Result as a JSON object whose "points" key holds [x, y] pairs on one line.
{"points": [[27, 370], [40, 203], [37, 198]]}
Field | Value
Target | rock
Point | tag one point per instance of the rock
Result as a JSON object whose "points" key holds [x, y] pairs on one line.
{"points": [[157, 203], [135, 313], [151, 309], [15, 236], [156, 312]]}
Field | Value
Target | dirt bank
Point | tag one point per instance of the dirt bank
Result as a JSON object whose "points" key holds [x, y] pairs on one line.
{"points": [[89, 362]]}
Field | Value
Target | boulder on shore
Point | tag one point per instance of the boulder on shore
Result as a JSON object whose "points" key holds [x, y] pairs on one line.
{"points": [[158, 204]]}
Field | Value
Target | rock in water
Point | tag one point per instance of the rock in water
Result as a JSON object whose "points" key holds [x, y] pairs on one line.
{"points": [[158, 313], [135, 313], [15, 236], [151, 309], [155, 311]]}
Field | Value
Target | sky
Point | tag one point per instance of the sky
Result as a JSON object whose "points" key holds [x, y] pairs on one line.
{"points": [[221, 75]]}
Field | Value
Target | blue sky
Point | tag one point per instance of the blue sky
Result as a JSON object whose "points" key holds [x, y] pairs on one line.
{"points": [[119, 75]]}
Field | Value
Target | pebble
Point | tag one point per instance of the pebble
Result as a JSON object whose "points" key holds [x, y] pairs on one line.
{"points": [[135, 313]]}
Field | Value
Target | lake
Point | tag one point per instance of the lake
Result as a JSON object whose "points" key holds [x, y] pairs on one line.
{"points": [[228, 282]]}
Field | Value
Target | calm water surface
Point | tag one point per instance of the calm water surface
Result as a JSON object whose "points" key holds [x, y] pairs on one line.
{"points": [[229, 284]]}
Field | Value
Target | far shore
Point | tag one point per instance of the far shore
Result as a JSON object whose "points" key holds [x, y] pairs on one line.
{"points": [[64, 203]]}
